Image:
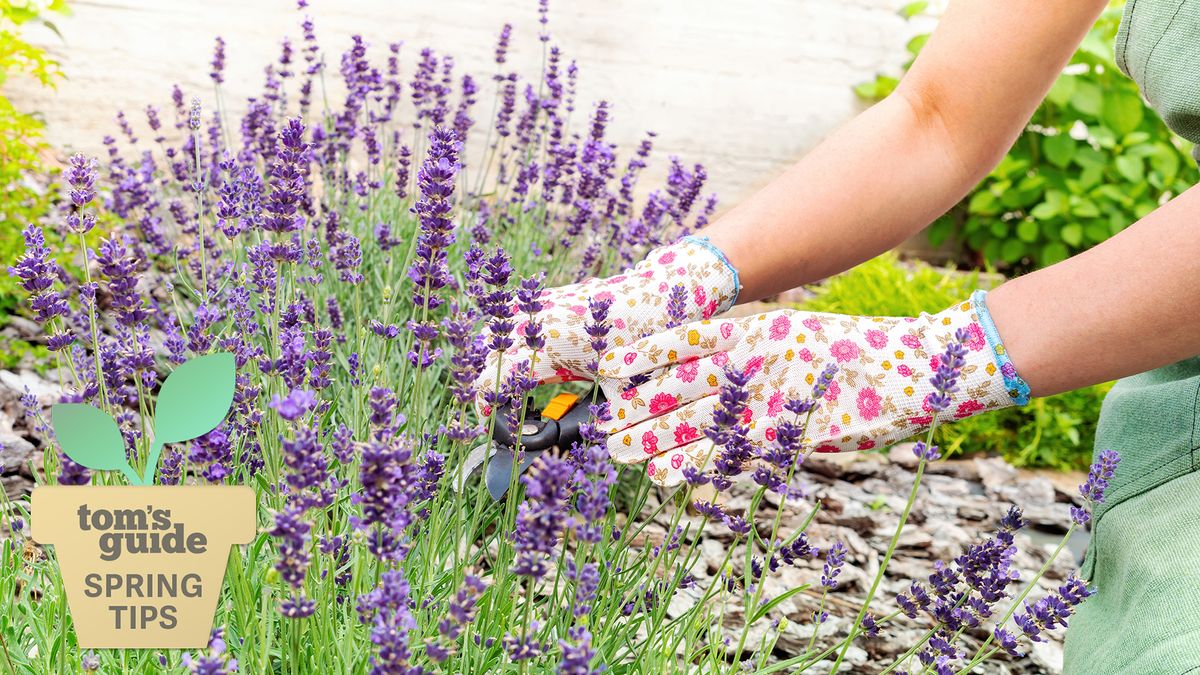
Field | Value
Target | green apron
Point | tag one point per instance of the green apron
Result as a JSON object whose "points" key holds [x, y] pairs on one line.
{"points": [[1144, 556]]}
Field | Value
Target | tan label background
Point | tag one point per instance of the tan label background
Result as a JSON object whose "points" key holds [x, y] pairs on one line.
{"points": [[225, 515]]}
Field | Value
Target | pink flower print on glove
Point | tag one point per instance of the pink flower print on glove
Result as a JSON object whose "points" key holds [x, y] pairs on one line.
{"points": [[867, 400]]}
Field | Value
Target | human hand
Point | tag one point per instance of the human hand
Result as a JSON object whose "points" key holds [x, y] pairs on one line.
{"points": [[675, 284], [862, 382]]}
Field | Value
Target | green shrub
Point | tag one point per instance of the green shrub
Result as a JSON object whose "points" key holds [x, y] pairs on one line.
{"points": [[21, 149], [1093, 160], [1056, 431]]}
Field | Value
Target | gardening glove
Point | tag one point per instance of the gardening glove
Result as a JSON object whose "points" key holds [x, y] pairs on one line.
{"points": [[685, 281], [869, 376]]}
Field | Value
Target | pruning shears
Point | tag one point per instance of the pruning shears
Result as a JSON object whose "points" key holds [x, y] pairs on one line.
{"points": [[554, 430]]}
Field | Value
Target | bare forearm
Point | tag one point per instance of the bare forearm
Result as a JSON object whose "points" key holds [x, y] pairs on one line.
{"points": [[873, 183], [896, 167], [1123, 307]]}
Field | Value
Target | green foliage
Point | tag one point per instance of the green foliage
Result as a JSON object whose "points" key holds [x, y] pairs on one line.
{"points": [[1056, 431], [1092, 161], [21, 143], [884, 286]]}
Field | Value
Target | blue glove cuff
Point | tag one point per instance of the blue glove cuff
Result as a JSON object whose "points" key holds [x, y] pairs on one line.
{"points": [[1018, 389], [703, 241]]}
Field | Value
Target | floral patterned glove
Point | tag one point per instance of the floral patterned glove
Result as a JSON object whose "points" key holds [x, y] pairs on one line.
{"points": [[675, 284], [871, 377]]}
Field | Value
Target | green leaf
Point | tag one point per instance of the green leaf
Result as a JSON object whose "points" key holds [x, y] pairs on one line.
{"points": [[1087, 98], [89, 437], [1072, 234], [1060, 93], [1059, 149], [1135, 138], [913, 8], [764, 609], [1013, 250], [1027, 230], [1096, 231], [1113, 193], [1089, 158], [1165, 160], [1084, 208], [194, 398], [939, 231], [916, 44], [1104, 137], [1123, 111], [984, 203], [877, 89], [1053, 252], [1044, 211], [1132, 169], [1090, 177]]}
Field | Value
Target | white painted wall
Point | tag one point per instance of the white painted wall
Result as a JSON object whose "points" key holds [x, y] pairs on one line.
{"points": [[743, 87]]}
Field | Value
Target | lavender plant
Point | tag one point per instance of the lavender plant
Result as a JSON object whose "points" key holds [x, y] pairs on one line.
{"points": [[359, 260]]}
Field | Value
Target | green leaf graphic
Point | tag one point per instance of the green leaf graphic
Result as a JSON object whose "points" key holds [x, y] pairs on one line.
{"points": [[194, 398], [90, 437], [192, 401]]}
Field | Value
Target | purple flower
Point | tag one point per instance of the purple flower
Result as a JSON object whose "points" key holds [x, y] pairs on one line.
{"points": [[403, 164], [577, 654], [694, 477], [597, 329], [81, 178], [470, 352], [737, 524], [294, 536], [728, 431], [36, 273], [543, 517], [709, 510], [1092, 489], [914, 601], [587, 582], [502, 44], [1007, 642], [295, 405], [308, 469], [528, 292], [385, 476], [677, 305], [544, 19], [928, 453], [823, 381], [215, 661], [288, 180], [598, 476], [435, 180], [388, 608], [950, 364], [1099, 475], [869, 625], [525, 647], [1051, 611], [218, 62], [835, 557], [70, 473]]}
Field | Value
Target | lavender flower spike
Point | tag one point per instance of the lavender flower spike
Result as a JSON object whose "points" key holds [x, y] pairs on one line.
{"points": [[950, 364], [1092, 489]]}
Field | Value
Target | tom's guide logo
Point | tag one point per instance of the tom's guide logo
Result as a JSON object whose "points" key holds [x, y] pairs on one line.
{"points": [[143, 564]]}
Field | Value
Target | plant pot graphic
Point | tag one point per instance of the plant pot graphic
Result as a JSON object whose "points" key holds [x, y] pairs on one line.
{"points": [[143, 566]]}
